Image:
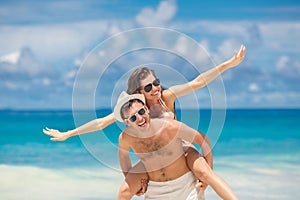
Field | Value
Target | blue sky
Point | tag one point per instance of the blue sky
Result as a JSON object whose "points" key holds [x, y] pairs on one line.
{"points": [[43, 44]]}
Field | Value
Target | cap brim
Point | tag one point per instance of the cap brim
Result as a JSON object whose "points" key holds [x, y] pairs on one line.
{"points": [[122, 101]]}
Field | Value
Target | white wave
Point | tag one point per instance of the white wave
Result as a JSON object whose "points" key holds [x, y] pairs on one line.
{"points": [[27, 182], [260, 177], [250, 176]]}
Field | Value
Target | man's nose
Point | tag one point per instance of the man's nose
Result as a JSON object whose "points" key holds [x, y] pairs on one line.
{"points": [[139, 117]]}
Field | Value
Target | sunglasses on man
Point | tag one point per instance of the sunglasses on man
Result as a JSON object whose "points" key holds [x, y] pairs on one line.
{"points": [[133, 117]]}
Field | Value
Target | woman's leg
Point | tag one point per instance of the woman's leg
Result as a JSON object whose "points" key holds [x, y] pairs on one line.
{"points": [[203, 172], [135, 182]]}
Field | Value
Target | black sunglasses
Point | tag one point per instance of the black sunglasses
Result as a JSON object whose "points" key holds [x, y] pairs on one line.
{"points": [[148, 87], [141, 112]]}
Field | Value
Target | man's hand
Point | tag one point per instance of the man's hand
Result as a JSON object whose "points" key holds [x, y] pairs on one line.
{"points": [[200, 185], [201, 193]]}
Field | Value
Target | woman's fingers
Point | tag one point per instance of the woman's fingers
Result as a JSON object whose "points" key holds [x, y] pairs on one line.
{"points": [[47, 132], [242, 51]]}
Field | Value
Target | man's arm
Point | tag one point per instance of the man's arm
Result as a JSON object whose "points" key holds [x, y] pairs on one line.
{"points": [[187, 133], [123, 153], [135, 181]]}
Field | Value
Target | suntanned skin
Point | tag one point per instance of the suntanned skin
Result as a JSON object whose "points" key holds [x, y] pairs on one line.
{"points": [[161, 152], [168, 96], [157, 142]]}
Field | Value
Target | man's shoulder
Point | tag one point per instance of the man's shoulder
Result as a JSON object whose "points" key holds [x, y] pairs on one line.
{"points": [[166, 122], [163, 119], [123, 135], [128, 132]]}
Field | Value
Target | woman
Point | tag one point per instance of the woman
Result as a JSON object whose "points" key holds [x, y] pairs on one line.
{"points": [[168, 96], [160, 102]]}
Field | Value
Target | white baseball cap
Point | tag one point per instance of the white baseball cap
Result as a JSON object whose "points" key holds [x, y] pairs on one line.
{"points": [[124, 98]]}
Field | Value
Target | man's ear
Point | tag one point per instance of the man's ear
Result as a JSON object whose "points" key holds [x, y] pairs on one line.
{"points": [[126, 122]]}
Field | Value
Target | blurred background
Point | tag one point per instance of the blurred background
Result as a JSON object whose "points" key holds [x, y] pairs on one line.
{"points": [[43, 44]]}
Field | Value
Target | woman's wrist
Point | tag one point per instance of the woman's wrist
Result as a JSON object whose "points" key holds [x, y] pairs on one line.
{"points": [[224, 66], [71, 133]]}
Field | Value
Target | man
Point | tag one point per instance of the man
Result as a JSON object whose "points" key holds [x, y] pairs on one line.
{"points": [[158, 143]]}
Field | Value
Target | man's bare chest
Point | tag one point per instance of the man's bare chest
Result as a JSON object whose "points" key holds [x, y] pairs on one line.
{"points": [[150, 145]]}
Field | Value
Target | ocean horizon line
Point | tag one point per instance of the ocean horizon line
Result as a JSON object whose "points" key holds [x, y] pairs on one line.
{"points": [[110, 109]]}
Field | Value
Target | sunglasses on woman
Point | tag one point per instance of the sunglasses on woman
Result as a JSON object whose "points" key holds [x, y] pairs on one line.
{"points": [[148, 87], [141, 112]]}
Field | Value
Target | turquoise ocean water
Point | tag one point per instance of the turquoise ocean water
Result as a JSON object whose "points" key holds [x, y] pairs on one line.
{"points": [[257, 153]]}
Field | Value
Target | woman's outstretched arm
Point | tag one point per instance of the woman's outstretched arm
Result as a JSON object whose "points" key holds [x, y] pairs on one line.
{"points": [[94, 125], [205, 78]]}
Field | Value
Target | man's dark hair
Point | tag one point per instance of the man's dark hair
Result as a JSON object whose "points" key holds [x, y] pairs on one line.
{"points": [[127, 106]]}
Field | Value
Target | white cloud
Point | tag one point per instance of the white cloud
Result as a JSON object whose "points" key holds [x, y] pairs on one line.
{"points": [[165, 11], [264, 99], [181, 45], [269, 36], [69, 43], [253, 87], [52, 42], [194, 52], [288, 67], [205, 44], [46, 81], [228, 28], [10, 85], [226, 50], [23, 62], [10, 58], [253, 35], [282, 97], [282, 62], [113, 29], [26, 77], [281, 36]]}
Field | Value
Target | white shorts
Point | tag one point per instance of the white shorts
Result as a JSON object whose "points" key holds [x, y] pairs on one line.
{"points": [[182, 188]]}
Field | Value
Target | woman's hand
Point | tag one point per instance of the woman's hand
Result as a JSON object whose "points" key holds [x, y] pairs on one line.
{"points": [[56, 134], [144, 185], [237, 58]]}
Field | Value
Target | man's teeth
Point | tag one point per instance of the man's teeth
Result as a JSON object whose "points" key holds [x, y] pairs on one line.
{"points": [[140, 124]]}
